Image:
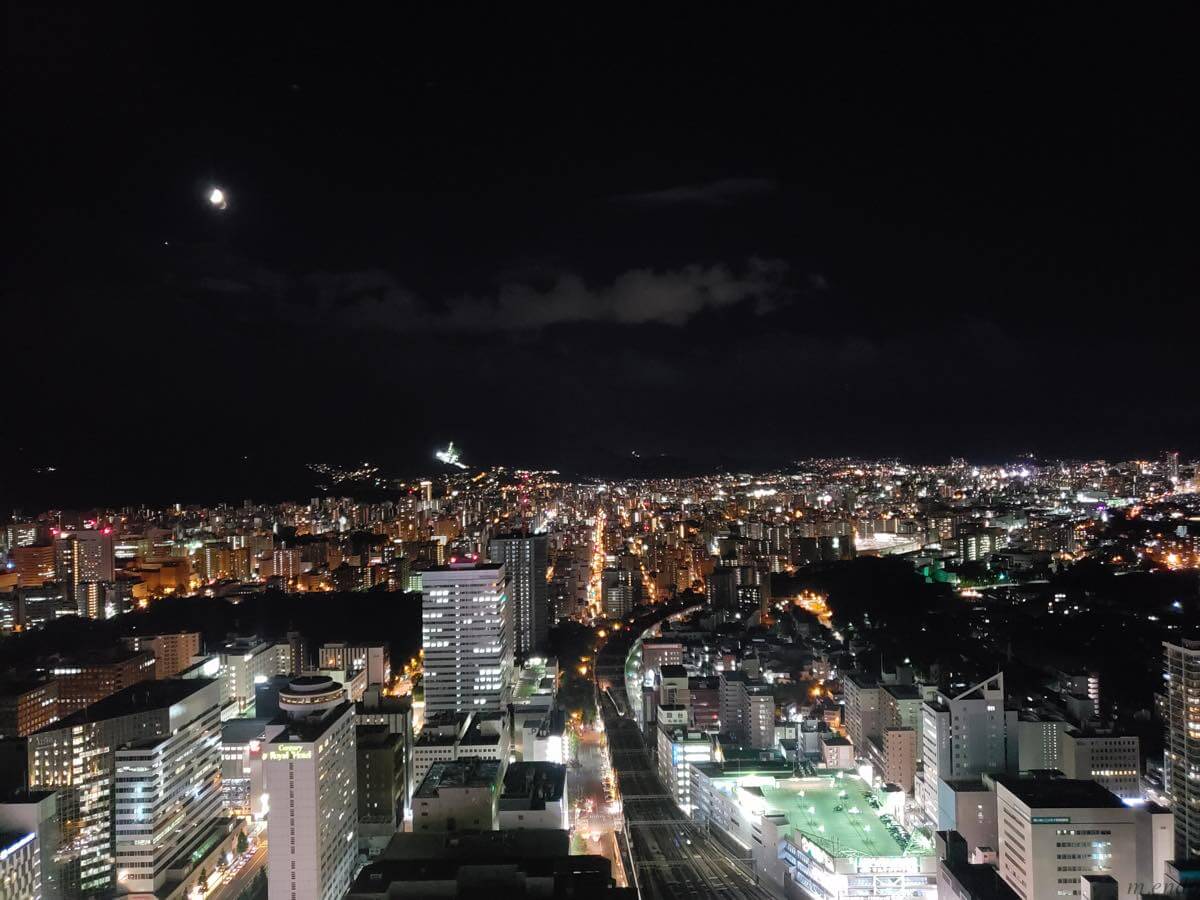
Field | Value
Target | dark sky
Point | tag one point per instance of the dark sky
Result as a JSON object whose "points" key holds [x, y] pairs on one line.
{"points": [[557, 240]]}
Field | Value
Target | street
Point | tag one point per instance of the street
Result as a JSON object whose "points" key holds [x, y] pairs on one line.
{"points": [[673, 857]]}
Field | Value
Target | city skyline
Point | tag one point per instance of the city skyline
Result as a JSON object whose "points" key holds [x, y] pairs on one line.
{"points": [[711, 453], [809, 248]]}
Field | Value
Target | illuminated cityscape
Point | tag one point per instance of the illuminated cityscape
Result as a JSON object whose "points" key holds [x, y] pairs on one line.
{"points": [[555, 454], [837, 671]]}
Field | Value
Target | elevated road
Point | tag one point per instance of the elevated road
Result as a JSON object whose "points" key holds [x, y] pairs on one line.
{"points": [[672, 857]]}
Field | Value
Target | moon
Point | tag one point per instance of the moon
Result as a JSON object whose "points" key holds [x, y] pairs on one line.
{"points": [[216, 197]]}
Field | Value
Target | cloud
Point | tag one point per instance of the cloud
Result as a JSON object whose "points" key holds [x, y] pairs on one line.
{"points": [[373, 299], [639, 296], [712, 193]]}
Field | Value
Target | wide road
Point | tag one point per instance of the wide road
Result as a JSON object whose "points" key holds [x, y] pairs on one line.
{"points": [[673, 857]]}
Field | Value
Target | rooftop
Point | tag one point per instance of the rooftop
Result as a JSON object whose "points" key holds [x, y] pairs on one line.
{"points": [[310, 728], [469, 773], [141, 697], [530, 785], [1060, 793], [672, 670], [433, 857], [842, 816], [241, 731], [903, 691]]}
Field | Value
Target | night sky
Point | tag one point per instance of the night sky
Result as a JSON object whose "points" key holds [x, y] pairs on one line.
{"points": [[729, 241]]}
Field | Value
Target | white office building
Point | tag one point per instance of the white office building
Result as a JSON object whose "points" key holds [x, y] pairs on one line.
{"points": [[678, 748], [246, 662], [167, 799], [466, 625], [966, 735], [311, 779], [1114, 761], [1053, 831]]}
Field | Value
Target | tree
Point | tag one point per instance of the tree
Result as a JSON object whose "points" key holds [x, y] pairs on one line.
{"points": [[242, 843], [203, 879]]}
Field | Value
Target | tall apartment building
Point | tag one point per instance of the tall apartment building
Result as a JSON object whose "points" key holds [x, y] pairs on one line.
{"points": [[310, 774], [732, 698], [968, 734], [1181, 758], [466, 625], [76, 756], [760, 716], [525, 558], [862, 693], [167, 797], [172, 652], [1054, 831]]}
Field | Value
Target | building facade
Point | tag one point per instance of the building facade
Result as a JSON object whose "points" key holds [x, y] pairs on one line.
{"points": [[466, 625]]}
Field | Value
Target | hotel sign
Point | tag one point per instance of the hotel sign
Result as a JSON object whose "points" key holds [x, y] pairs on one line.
{"points": [[288, 752]]}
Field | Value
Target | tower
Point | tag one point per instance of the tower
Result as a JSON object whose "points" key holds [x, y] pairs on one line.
{"points": [[467, 634], [524, 557]]}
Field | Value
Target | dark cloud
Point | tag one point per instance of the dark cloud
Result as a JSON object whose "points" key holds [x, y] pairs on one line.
{"points": [[712, 193], [374, 298]]}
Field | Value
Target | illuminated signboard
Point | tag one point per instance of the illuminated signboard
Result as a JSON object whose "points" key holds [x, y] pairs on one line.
{"points": [[288, 752]]}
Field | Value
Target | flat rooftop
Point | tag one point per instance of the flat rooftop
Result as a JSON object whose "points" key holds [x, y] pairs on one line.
{"points": [[903, 691], [309, 728], [469, 773], [141, 697], [839, 815], [241, 731], [433, 857], [533, 784], [1060, 793]]}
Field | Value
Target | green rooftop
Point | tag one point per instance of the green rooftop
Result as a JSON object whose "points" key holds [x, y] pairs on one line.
{"points": [[842, 816], [530, 680]]}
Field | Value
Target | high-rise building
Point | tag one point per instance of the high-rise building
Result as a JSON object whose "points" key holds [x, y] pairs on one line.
{"points": [[246, 662], [172, 652], [968, 734], [34, 564], [382, 779], [27, 706], [1181, 758], [759, 716], [310, 775], [1053, 831], [76, 756], [620, 590], [1172, 460], [32, 813], [85, 681], [81, 557], [524, 557], [168, 795], [863, 721], [1111, 759], [375, 658], [20, 865], [466, 625]]}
